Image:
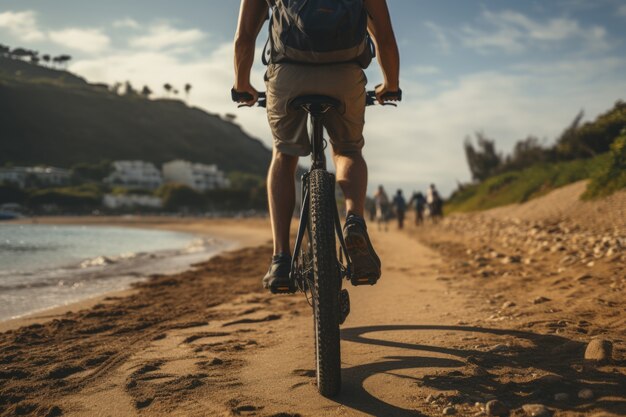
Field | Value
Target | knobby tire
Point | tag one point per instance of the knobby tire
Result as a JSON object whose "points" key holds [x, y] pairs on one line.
{"points": [[327, 282]]}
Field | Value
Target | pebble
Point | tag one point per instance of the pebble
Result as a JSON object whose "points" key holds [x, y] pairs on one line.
{"points": [[540, 300], [536, 410], [585, 394], [448, 411], [583, 277], [599, 350], [496, 408], [430, 399], [508, 304]]}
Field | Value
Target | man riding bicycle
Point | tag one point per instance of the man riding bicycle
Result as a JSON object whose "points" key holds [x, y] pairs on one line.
{"points": [[292, 73]]}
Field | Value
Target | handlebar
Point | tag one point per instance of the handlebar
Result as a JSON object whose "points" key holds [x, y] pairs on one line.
{"points": [[370, 98]]}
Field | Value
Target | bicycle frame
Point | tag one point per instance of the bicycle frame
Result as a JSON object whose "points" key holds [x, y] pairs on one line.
{"points": [[318, 161]]}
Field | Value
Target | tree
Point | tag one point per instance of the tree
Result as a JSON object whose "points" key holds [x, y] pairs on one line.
{"points": [[168, 88], [483, 160], [188, 88], [46, 58], [178, 196], [146, 91], [62, 60], [116, 88], [34, 59], [21, 53], [128, 89], [4, 50]]}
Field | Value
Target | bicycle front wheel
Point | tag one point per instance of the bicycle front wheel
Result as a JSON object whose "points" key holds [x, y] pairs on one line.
{"points": [[327, 282]]}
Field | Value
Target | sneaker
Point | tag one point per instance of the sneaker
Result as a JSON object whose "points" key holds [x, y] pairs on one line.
{"points": [[277, 278], [365, 263]]}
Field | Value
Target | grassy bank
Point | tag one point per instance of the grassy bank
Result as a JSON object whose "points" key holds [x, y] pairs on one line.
{"points": [[520, 186]]}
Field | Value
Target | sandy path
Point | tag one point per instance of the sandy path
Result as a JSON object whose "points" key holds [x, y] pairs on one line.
{"points": [[381, 354]]}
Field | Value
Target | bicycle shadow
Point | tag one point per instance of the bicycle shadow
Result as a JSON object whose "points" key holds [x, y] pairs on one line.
{"points": [[545, 354]]}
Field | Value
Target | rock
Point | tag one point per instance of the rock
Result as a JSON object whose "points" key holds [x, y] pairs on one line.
{"points": [[448, 411], [599, 350], [536, 410], [561, 397], [496, 408], [541, 300], [585, 394], [508, 304], [430, 399], [583, 277]]}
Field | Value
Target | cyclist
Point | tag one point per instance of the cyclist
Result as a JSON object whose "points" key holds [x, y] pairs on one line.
{"points": [[287, 79]]}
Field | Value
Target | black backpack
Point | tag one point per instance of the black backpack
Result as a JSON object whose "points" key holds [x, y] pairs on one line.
{"points": [[318, 32]]}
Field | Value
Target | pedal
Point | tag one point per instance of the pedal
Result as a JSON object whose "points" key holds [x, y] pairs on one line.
{"points": [[344, 305], [363, 281], [283, 289]]}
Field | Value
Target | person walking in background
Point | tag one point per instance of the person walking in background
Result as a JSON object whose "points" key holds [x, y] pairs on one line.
{"points": [[399, 204], [435, 204], [419, 202], [381, 202]]}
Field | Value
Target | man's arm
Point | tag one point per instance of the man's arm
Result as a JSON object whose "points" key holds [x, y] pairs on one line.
{"points": [[381, 31], [252, 14]]}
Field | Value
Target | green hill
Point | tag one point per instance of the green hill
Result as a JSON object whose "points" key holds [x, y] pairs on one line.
{"points": [[53, 117]]}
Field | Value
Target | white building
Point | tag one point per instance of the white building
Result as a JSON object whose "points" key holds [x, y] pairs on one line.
{"points": [[135, 174], [50, 175], [197, 176], [16, 176], [113, 201], [35, 176]]}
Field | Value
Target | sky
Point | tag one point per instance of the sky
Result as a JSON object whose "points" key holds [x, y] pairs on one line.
{"points": [[507, 68]]}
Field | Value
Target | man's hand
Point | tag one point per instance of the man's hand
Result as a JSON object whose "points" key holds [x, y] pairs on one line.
{"points": [[247, 89], [383, 89]]}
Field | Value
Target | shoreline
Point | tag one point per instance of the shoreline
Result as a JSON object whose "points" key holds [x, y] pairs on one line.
{"points": [[227, 230]]}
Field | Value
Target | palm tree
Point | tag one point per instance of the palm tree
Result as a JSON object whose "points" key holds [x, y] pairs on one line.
{"points": [[168, 88], [187, 90]]}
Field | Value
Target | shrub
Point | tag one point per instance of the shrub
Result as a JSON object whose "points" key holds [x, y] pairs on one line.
{"points": [[612, 175]]}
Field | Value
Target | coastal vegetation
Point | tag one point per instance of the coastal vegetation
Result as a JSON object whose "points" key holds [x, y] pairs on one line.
{"points": [[594, 151]]}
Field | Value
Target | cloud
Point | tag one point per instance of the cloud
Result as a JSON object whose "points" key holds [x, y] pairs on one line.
{"points": [[441, 38], [127, 23], [514, 32], [164, 36], [83, 40], [22, 25], [423, 70], [421, 140], [621, 10]]}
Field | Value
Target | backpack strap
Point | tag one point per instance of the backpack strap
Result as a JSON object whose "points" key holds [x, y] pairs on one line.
{"points": [[266, 58]]}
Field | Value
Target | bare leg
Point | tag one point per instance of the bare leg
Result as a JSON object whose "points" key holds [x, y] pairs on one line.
{"points": [[281, 192], [352, 178]]}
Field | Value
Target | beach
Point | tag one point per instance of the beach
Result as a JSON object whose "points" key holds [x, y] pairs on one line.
{"points": [[448, 329]]}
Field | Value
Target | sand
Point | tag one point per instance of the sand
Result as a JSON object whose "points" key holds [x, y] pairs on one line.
{"points": [[434, 336]]}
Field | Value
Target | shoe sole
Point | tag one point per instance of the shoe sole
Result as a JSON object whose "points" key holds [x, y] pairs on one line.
{"points": [[361, 253]]}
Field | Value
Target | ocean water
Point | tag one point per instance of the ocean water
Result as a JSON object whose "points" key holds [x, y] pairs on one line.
{"points": [[43, 266]]}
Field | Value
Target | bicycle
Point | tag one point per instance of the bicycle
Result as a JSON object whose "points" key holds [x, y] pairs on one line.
{"points": [[317, 269]]}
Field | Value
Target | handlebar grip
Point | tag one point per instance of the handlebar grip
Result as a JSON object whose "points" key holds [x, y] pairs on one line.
{"points": [[392, 96], [237, 96]]}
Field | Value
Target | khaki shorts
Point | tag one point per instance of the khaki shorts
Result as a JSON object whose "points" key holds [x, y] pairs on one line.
{"points": [[344, 82]]}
